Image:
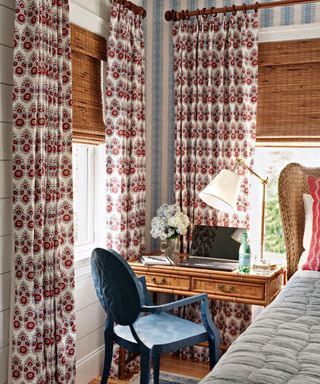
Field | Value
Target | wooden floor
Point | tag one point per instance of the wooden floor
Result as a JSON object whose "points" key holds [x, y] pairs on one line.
{"points": [[173, 364]]}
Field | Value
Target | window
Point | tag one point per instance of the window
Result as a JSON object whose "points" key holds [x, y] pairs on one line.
{"points": [[269, 161], [89, 200], [287, 118], [88, 55]]}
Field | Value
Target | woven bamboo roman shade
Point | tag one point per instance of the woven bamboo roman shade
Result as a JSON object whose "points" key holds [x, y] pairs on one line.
{"points": [[289, 91], [88, 50]]}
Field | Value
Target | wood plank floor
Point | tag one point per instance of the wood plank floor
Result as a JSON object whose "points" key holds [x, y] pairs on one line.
{"points": [[175, 365]]}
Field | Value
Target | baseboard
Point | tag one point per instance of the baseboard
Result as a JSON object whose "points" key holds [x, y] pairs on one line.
{"points": [[90, 366]]}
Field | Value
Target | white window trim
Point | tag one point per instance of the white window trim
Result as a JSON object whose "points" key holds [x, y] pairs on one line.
{"points": [[96, 205]]}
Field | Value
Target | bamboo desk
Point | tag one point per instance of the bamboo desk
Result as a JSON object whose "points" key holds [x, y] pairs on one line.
{"points": [[233, 286]]}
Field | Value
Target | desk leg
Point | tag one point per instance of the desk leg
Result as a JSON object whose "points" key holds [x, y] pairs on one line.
{"points": [[285, 277], [122, 364]]}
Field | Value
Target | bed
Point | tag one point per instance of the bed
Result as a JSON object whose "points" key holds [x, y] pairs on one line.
{"points": [[282, 345]]}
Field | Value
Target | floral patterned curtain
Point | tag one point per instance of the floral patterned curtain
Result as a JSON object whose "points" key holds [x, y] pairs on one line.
{"points": [[215, 74], [43, 328], [125, 143], [125, 133]]}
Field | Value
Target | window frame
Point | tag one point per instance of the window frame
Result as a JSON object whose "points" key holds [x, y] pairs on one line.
{"points": [[95, 199]]}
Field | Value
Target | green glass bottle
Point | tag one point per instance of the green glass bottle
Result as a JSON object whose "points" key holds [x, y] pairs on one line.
{"points": [[244, 254]]}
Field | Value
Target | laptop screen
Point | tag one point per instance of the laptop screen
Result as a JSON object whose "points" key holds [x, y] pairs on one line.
{"points": [[215, 242]]}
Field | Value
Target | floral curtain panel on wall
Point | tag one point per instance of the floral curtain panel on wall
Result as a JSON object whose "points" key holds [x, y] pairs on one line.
{"points": [[125, 133], [125, 141], [43, 328], [215, 74]]}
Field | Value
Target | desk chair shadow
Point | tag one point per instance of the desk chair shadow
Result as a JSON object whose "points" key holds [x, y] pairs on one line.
{"points": [[125, 299]]}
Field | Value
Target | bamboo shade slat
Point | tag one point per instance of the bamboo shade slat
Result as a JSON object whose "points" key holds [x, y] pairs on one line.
{"points": [[289, 91], [88, 51]]}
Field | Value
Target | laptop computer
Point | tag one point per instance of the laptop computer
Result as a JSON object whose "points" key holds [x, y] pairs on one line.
{"points": [[213, 248]]}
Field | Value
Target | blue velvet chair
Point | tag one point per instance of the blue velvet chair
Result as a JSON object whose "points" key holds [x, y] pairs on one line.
{"points": [[137, 325]]}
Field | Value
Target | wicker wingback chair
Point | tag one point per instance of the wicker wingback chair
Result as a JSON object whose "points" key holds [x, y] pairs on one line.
{"points": [[292, 184]]}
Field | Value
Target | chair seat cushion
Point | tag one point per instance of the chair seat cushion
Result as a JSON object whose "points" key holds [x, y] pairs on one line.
{"points": [[163, 331]]}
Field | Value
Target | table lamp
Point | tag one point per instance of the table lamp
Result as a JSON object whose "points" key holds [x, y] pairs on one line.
{"points": [[223, 190]]}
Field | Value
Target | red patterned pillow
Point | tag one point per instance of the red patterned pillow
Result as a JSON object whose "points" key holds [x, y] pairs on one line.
{"points": [[313, 262]]}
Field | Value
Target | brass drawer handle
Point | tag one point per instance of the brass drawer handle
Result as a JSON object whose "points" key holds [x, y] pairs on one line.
{"points": [[154, 281], [225, 289]]}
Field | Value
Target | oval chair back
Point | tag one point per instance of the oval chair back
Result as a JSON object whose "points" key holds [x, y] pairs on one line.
{"points": [[117, 286]]}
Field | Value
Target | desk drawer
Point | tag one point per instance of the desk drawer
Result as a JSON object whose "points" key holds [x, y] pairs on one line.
{"points": [[177, 282], [228, 289]]}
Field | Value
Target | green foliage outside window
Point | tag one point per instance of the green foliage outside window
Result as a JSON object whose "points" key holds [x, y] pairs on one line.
{"points": [[274, 240]]}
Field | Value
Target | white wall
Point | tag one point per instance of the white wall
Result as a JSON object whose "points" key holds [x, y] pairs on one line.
{"points": [[99, 8], [6, 43], [90, 326]]}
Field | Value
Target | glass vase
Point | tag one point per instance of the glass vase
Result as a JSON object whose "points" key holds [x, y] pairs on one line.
{"points": [[169, 247]]}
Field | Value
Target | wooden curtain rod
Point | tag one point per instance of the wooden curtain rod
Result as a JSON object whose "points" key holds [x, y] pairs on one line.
{"points": [[136, 9], [185, 14]]}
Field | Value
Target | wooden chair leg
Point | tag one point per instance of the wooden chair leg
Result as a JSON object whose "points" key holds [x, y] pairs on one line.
{"points": [[145, 366], [156, 367], [108, 352]]}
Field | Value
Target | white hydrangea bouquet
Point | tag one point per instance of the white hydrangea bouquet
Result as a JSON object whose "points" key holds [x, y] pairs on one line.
{"points": [[169, 223]]}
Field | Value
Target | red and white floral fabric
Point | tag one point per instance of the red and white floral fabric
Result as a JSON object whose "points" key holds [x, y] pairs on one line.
{"points": [[215, 72], [125, 133], [43, 327], [216, 80]]}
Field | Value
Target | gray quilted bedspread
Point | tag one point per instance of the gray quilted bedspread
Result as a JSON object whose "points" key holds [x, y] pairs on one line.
{"points": [[282, 345]]}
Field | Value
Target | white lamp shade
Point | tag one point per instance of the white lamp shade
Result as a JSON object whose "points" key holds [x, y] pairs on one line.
{"points": [[238, 234], [222, 192]]}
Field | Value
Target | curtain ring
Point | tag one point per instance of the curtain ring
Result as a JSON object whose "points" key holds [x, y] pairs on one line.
{"points": [[212, 11], [257, 7], [204, 13], [234, 11], [244, 8], [173, 16], [225, 10]]}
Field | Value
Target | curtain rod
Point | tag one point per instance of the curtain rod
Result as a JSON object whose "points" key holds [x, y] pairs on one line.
{"points": [[185, 14], [136, 9]]}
